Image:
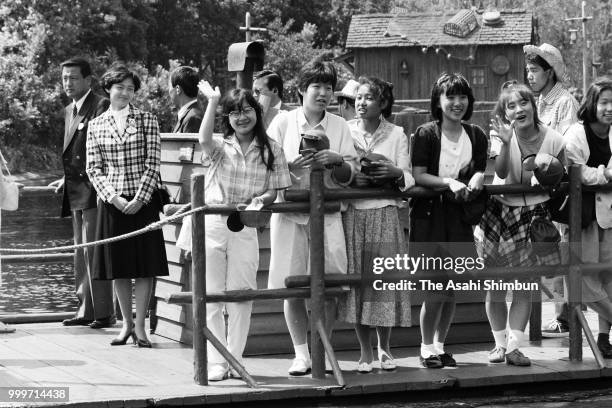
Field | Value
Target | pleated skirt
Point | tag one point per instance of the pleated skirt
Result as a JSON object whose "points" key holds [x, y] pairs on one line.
{"points": [[142, 256]]}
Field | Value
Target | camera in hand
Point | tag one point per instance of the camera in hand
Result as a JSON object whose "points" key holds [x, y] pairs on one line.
{"points": [[370, 162]]}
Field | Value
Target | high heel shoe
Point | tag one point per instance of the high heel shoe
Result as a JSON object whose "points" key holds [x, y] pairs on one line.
{"points": [[386, 361], [120, 341], [142, 342]]}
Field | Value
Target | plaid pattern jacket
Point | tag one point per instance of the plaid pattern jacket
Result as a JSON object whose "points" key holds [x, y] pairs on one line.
{"points": [[124, 164]]}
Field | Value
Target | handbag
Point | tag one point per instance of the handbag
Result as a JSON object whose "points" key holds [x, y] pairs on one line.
{"points": [[163, 195], [544, 236], [9, 190]]}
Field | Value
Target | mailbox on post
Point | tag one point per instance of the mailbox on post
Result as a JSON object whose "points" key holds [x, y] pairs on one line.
{"points": [[245, 58]]}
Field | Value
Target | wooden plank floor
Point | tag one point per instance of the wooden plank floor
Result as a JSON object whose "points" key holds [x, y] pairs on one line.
{"points": [[99, 375]]}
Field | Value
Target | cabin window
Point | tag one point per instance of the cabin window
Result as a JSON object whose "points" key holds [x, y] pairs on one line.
{"points": [[478, 75]]}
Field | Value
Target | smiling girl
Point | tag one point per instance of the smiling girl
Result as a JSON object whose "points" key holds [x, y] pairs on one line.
{"points": [[371, 227], [507, 219], [589, 144], [449, 154], [245, 166]]}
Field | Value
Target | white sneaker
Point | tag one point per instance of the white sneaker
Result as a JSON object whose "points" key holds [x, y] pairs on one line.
{"points": [[233, 373], [217, 372], [300, 366]]}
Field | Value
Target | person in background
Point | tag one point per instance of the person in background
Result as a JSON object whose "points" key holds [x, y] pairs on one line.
{"points": [[452, 154], [557, 109], [268, 91], [4, 328], [183, 91], [95, 298], [123, 161], [346, 99], [371, 226], [589, 145], [508, 218], [289, 233]]}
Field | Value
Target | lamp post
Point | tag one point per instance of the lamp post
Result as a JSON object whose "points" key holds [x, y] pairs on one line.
{"points": [[573, 37]]}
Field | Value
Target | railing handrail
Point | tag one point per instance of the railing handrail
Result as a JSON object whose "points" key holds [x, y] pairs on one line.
{"points": [[317, 196]]}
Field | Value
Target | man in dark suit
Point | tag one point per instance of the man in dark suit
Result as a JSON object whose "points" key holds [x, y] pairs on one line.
{"points": [[183, 90], [268, 90], [79, 197]]}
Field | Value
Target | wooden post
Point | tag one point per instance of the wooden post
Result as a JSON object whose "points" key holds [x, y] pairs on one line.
{"points": [[590, 339], [535, 318], [317, 271], [574, 280], [198, 281]]}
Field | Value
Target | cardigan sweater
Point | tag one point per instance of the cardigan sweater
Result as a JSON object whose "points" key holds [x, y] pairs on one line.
{"points": [[426, 153]]}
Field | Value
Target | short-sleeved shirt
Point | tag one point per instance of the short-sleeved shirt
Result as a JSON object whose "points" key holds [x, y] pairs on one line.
{"points": [[551, 143], [234, 177], [558, 109]]}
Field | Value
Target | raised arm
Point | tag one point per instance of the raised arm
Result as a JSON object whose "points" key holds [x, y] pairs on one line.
{"points": [[504, 133], [207, 127]]}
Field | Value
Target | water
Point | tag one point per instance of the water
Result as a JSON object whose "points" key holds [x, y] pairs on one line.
{"points": [[36, 288]]}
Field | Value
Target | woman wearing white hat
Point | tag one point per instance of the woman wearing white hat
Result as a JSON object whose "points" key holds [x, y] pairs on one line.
{"points": [[557, 109], [546, 73]]}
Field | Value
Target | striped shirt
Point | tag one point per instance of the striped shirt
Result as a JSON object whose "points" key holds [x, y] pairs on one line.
{"points": [[558, 109], [234, 177]]}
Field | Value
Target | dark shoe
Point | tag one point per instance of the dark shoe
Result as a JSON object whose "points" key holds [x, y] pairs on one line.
{"points": [[431, 362], [555, 328], [120, 341], [605, 347], [447, 360], [515, 357], [142, 342], [76, 321], [103, 323]]}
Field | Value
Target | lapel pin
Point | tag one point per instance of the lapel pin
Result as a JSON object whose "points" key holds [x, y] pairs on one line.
{"points": [[81, 126], [131, 128]]}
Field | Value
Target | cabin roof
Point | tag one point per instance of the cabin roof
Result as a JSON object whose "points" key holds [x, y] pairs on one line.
{"points": [[425, 29]]}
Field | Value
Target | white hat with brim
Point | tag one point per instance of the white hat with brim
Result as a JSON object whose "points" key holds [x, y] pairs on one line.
{"points": [[349, 90], [552, 55]]}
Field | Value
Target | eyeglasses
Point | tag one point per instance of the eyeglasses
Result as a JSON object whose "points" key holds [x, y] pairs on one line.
{"points": [[236, 114], [509, 84]]}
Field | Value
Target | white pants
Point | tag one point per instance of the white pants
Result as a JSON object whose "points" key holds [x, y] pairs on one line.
{"points": [[232, 260], [290, 248]]}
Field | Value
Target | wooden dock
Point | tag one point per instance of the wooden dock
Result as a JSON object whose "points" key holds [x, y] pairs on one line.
{"points": [[99, 375]]}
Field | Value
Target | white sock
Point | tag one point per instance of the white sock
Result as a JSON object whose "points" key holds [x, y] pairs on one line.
{"points": [[515, 340], [427, 350], [439, 347], [500, 338], [301, 351]]}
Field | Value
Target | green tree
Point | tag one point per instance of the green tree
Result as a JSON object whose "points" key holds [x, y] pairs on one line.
{"points": [[287, 52]]}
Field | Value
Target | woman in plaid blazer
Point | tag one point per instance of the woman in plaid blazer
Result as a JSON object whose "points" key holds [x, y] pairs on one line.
{"points": [[123, 155]]}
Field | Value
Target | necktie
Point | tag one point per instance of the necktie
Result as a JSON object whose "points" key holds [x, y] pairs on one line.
{"points": [[74, 114]]}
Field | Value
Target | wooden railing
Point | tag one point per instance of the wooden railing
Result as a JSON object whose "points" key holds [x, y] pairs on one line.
{"points": [[318, 286]]}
